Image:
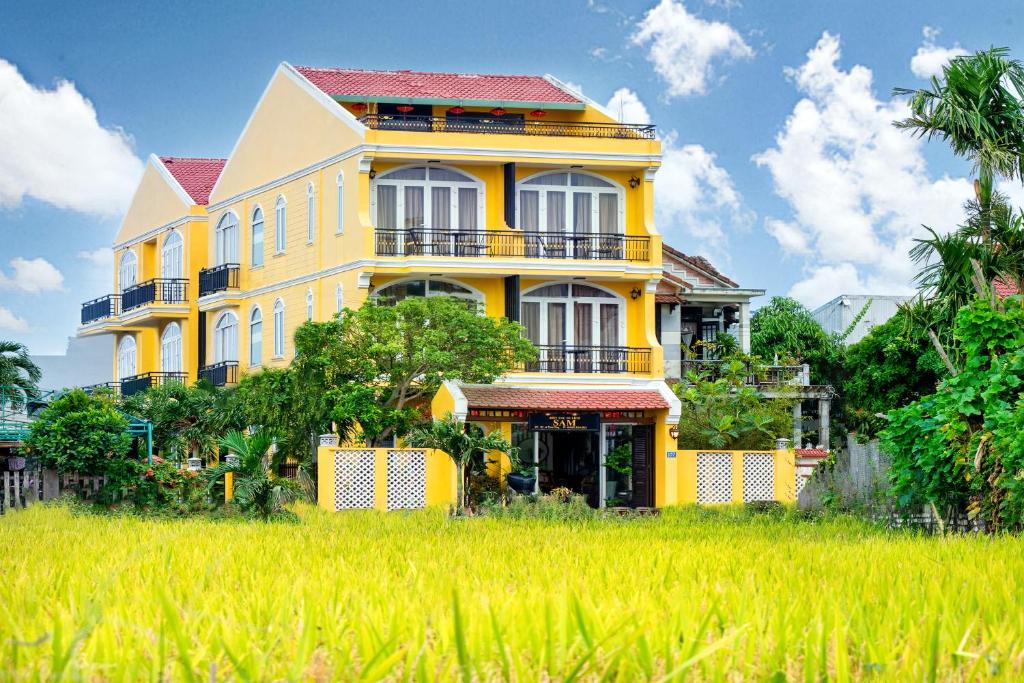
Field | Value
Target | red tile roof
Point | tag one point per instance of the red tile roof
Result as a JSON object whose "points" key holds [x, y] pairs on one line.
{"points": [[812, 452], [197, 176], [1004, 288], [563, 399], [408, 85]]}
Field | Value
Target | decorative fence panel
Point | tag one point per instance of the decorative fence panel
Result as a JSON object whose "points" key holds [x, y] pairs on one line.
{"points": [[407, 479], [714, 477], [758, 477], [382, 478], [354, 479]]}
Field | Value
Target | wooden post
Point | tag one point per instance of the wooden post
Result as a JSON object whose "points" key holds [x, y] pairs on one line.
{"points": [[7, 491], [17, 489]]}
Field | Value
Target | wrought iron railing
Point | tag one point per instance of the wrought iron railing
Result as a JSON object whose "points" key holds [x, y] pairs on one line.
{"points": [[218, 278], [511, 244], [591, 359], [754, 373], [220, 374], [113, 387], [136, 383], [156, 291], [508, 126], [104, 307]]}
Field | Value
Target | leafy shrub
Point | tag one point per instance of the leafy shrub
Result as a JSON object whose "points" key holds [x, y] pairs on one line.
{"points": [[79, 433]]}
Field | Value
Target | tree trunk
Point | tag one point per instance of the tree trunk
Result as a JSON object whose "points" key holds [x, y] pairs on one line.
{"points": [[460, 485]]}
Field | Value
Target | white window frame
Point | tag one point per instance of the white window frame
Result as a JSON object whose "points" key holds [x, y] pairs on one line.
{"points": [[172, 256], [171, 349], [339, 297], [225, 338], [427, 184], [280, 224], [257, 211], [226, 238], [339, 227], [309, 304], [474, 295], [569, 189], [570, 313], [255, 352], [128, 270], [310, 213], [127, 357], [279, 329]]}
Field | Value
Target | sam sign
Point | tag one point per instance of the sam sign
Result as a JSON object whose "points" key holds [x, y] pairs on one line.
{"points": [[564, 422]]}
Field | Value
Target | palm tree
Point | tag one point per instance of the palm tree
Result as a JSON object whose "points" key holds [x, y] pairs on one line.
{"points": [[258, 489], [19, 376], [451, 435]]}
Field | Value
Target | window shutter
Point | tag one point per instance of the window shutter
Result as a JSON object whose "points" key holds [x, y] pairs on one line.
{"points": [[512, 298], [510, 195]]}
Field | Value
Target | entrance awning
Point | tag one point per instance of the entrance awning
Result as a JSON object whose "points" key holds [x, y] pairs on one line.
{"points": [[499, 397]]}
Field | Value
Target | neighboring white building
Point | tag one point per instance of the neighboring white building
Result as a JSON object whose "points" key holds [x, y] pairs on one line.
{"points": [[86, 362], [837, 315]]}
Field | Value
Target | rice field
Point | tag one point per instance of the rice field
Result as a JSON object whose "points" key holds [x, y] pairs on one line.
{"points": [[694, 595]]}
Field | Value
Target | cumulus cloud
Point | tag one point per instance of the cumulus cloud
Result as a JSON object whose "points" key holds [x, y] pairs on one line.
{"points": [[683, 48], [101, 257], [930, 58], [32, 276], [11, 322], [859, 189], [56, 151], [627, 107]]}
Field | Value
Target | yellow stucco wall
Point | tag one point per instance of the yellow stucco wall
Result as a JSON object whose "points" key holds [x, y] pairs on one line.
{"points": [[155, 203], [440, 477], [785, 475]]}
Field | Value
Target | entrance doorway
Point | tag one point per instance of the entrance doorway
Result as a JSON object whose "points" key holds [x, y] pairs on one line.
{"points": [[570, 460]]}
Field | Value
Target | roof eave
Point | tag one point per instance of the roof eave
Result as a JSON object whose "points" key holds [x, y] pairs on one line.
{"points": [[507, 104]]}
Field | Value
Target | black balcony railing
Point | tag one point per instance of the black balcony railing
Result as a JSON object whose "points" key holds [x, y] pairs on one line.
{"points": [[754, 374], [104, 307], [589, 359], [511, 244], [111, 387], [157, 291], [218, 279], [508, 126], [220, 374], [136, 383]]}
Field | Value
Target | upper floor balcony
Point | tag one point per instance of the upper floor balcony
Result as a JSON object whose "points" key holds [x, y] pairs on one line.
{"points": [[151, 292], [507, 124], [591, 359], [511, 244], [218, 278], [755, 374]]}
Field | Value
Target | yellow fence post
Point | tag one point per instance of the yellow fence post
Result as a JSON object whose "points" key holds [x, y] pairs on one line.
{"points": [[229, 486], [785, 475], [325, 456], [737, 476], [380, 472]]}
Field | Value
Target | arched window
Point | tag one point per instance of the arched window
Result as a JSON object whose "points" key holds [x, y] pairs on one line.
{"points": [[279, 329], [170, 348], [339, 297], [225, 338], [280, 225], [310, 213], [309, 304], [127, 273], [393, 293], [577, 203], [226, 238], [257, 236], [339, 227], [255, 336], [573, 315], [172, 257], [126, 354], [429, 199]]}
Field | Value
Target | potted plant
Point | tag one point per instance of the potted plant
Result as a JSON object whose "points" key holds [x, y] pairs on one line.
{"points": [[620, 461], [522, 478]]}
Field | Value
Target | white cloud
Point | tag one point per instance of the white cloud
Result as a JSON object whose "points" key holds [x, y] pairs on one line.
{"points": [[930, 58], [683, 47], [9, 321], [56, 151], [101, 257], [627, 107], [32, 276], [859, 189]]}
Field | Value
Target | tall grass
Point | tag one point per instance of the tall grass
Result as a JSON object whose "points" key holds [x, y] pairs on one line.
{"points": [[693, 595]]}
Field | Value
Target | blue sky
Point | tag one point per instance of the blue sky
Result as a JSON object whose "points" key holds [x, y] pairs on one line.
{"points": [[780, 163]]}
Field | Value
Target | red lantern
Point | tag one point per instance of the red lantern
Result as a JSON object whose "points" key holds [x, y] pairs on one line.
{"points": [[457, 110], [498, 111], [404, 108], [360, 106], [538, 113]]}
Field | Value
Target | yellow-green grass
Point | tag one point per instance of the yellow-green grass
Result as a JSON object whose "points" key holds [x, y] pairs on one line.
{"points": [[693, 594]]}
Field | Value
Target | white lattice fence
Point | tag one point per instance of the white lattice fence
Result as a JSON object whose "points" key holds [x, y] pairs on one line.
{"points": [[758, 477], [354, 479], [407, 479], [714, 477]]}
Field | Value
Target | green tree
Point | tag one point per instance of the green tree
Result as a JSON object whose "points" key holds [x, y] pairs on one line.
{"points": [[186, 420], [724, 412], [257, 488], [785, 330], [19, 375], [379, 365], [460, 442], [80, 433]]}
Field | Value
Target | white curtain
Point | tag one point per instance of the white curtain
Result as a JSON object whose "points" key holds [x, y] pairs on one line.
{"points": [[608, 207], [529, 210], [440, 208], [556, 211], [467, 209], [387, 207], [413, 206]]}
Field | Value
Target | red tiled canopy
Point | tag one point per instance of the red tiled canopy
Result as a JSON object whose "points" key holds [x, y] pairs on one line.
{"points": [[812, 452], [196, 175], [412, 85], [1004, 288], [564, 399]]}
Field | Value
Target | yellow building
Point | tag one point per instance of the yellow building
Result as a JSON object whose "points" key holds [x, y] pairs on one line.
{"points": [[512, 191]]}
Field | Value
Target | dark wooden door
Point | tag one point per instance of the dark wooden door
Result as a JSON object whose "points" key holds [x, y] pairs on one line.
{"points": [[643, 466]]}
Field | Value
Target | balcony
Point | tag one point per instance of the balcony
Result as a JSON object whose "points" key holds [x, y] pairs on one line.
{"points": [[591, 359], [156, 291], [509, 126], [108, 306], [755, 374], [137, 383], [113, 388], [218, 279], [220, 374], [511, 244]]}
